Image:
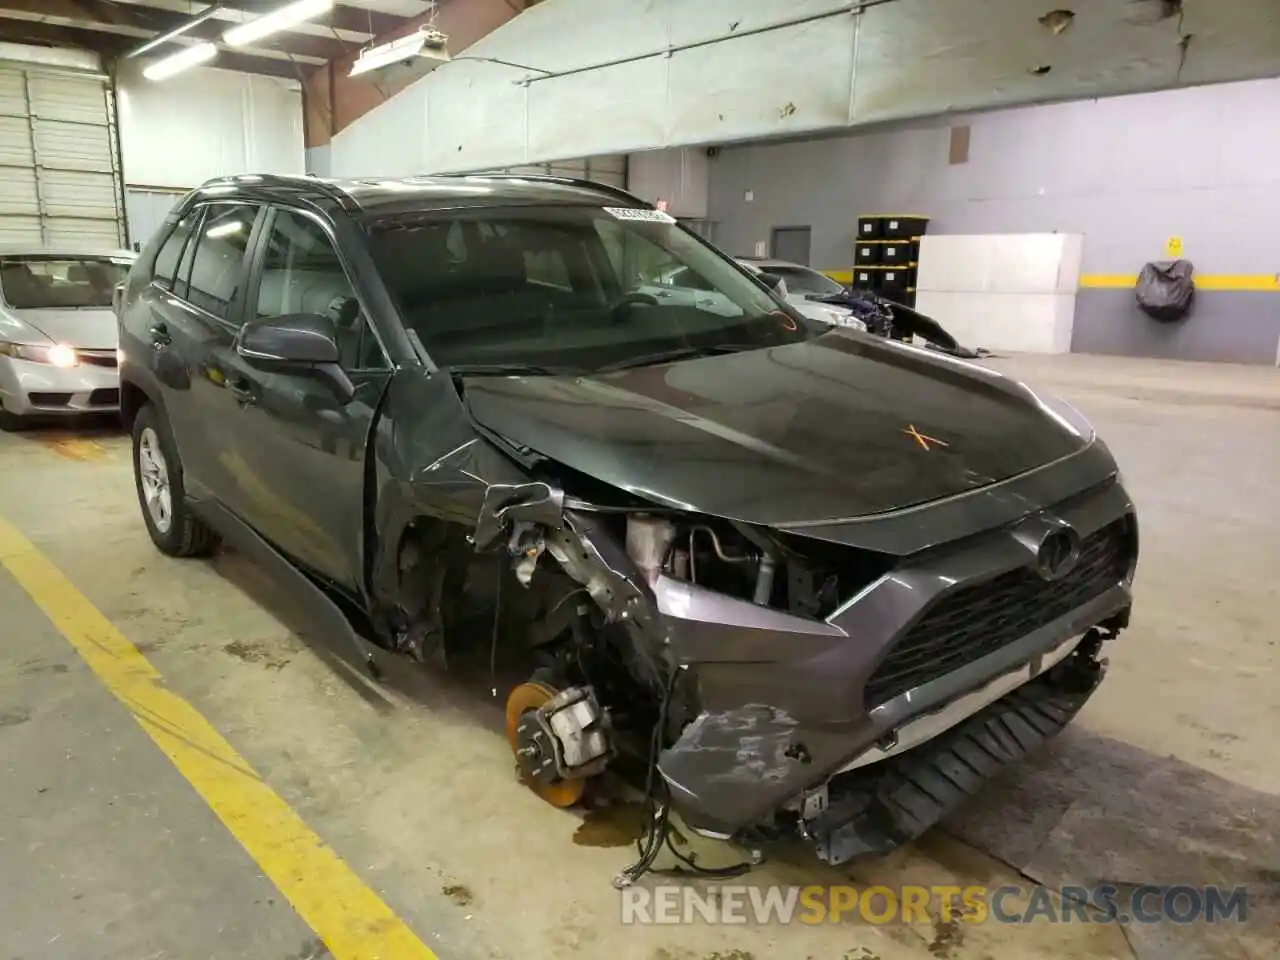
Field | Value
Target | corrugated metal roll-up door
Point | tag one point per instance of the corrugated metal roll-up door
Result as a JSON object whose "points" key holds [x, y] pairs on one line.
{"points": [[59, 166]]}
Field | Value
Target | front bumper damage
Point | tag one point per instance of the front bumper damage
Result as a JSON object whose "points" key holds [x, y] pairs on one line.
{"points": [[873, 810], [795, 724]]}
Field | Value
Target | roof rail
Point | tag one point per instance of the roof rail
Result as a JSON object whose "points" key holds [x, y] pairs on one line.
{"points": [[300, 182], [571, 181]]}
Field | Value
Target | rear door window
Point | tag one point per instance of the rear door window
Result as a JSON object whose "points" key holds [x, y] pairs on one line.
{"points": [[218, 267]]}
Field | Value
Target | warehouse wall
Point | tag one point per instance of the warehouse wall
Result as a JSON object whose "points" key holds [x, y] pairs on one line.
{"points": [[201, 124], [573, 78], [1127, 172], [680, 176]]}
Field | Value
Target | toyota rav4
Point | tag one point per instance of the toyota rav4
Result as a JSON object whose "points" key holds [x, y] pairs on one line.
{"points": [[814, 582]]}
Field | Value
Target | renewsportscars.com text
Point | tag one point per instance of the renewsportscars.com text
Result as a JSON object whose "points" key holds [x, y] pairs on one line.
{"points": [[743, 904]]}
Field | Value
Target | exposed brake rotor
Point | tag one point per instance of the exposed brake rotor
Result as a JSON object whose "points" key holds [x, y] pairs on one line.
{"points": [[533, 749]]}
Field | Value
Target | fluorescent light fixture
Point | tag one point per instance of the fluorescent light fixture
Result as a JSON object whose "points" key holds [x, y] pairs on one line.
{"points": [[279, 19], [192, 56], [206, 14], [425, 44]]}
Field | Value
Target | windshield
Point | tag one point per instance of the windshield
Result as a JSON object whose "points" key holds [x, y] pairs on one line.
{"points": [[571, 287], [40, 282], [806, 282]]}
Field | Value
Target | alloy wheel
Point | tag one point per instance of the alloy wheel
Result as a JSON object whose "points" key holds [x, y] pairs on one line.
{"points": [[153, 472]]}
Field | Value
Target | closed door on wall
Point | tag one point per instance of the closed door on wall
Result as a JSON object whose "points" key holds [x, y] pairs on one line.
{"points": [[790, 243]]}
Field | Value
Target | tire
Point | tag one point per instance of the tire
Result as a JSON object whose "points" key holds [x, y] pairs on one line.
{"points": [[174, 528], [10, 422]]}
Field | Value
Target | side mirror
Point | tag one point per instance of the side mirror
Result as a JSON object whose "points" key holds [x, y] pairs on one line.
{"points": [[297, 340], [770, 280]]}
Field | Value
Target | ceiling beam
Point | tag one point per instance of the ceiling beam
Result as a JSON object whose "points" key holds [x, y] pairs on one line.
{"points": [[114, 45], [55, 35], [358, 20], [341, 17], [105, 16]]}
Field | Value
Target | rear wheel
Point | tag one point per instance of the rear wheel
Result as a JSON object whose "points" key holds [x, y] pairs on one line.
{"points": [[157, 474]]}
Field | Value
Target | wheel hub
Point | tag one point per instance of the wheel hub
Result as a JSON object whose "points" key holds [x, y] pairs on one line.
{"points": [[534, 752]]}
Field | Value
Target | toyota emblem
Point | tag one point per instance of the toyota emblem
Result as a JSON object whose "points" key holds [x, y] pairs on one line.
{"points": [[1058, 554]]}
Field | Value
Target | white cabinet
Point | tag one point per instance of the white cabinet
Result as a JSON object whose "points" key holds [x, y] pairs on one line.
{"points": [[1014, 292]]}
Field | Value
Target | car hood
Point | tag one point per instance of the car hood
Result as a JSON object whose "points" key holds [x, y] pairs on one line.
{"points": [[815, 310], [91, 328], [833, 428]]}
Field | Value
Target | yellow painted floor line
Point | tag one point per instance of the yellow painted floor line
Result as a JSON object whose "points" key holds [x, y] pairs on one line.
{"points": [[348, 916]]}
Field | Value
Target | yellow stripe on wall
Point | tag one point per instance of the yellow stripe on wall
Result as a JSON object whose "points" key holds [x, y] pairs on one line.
{"points": [[1237, 282], [1252, 282], [352, 920]]}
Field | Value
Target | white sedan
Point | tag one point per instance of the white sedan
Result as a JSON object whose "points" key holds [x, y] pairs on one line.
{"points": [[798, 283], [58, 332], [682, 286]]}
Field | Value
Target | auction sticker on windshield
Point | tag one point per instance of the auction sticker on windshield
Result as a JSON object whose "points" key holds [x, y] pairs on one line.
{"points": [[640, 213]]}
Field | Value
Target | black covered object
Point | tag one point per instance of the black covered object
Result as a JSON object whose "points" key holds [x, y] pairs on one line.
{"points": [[1165, 290]]}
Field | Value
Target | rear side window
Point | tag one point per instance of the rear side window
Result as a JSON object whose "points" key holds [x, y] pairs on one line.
{"points": [[171, 249], [218, 263]]}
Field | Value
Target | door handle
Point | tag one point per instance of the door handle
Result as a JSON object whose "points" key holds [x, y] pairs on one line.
{"points": [[160, 335], [242, 390]]}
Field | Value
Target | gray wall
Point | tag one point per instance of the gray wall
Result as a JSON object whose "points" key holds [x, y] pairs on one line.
{"points": [[146, 210], [678, 175], [1127, 172], [317, 160]]}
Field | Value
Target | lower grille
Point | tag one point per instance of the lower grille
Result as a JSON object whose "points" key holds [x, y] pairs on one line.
{"points": [[49, 399], [104, 397], [976, 621], [98, 358]]}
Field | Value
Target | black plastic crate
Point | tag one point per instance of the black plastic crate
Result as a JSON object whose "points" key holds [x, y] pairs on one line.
{"points": [[897, 277], [897, 294], [903, 226], [870, 228], [898, 253], [868, 253], [868, 278]]}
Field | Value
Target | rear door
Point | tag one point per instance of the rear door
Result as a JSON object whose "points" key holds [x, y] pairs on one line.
{"points": [[296, 454], [194, 304]]}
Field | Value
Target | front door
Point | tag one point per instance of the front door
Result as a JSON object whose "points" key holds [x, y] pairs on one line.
{"points": [[295, 452]]}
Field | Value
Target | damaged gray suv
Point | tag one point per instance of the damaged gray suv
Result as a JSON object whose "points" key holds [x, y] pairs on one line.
{"points": [[796, 580]]}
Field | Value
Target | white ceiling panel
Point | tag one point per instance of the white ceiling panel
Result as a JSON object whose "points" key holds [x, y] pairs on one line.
{"points": [[919, 57]]}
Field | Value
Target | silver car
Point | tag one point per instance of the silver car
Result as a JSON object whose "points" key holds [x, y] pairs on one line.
{"points": [[58, 332], [799, 283]]}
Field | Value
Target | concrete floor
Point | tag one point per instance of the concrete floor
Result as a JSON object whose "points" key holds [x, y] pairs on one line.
{"points": [[106, 852]]}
